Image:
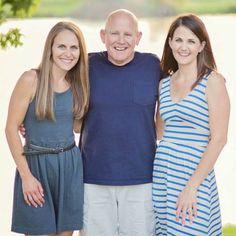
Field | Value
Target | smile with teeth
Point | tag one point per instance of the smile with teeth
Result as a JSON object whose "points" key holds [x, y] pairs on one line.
{"points": [[67, 61], [183, 54], [120, 48]]}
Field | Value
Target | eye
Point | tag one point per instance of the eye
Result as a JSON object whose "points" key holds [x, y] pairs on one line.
{"points": [[114, 33], [178, 40], [128, 34], [61, 46], [74, 47], [191, 41]]}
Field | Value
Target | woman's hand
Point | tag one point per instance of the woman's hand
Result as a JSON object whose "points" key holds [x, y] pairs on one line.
{"points": [[186, 205], [32, 191]]}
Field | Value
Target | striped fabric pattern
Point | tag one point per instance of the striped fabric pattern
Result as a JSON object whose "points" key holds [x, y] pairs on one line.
{"points": [[185, 138]]}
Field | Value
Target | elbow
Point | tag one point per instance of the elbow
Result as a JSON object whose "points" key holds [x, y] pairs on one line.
{"points": [[220, 141], [10, 130], [7, 131], [223, 141], [77, 131]]}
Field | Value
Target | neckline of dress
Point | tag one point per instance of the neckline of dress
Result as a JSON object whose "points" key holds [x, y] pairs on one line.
{"points": [[63, 92], [184, 97]]}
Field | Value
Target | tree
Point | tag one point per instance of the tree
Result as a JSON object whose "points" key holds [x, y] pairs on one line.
{"points": [[14, 8]]}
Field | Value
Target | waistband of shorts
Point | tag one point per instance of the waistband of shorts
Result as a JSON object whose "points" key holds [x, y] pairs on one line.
{"points": [[32, 149]]}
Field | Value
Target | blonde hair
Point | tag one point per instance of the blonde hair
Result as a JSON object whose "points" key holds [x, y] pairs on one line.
{"points": [[77, 77]]}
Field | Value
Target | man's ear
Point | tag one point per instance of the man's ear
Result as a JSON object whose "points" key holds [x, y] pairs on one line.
{"points": [[139, 36], [102, 35]]}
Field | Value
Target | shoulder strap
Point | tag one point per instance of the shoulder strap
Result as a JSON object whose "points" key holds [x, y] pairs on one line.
{"points": [[165, 82]]}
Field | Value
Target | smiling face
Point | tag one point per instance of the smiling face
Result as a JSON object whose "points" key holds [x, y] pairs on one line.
{"points": [[120, 37], [65, 51], [185, 46]]}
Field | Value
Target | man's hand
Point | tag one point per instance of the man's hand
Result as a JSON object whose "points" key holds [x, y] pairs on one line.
{"points": [[22, 130]]}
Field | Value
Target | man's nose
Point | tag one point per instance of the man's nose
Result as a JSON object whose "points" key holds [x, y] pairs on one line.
{"points": [[121, 38]]}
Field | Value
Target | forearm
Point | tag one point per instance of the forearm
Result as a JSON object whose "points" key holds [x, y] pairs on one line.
{"points": [[207, 162], [159, 128], [16, 149]]}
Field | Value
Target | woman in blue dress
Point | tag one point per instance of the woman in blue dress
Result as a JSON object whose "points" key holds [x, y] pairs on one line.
{"points": [[192, 125], [50, 101]]}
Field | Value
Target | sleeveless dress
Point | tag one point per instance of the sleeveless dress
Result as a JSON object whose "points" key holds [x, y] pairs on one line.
{"points": [[61, 175], [185, 138]]}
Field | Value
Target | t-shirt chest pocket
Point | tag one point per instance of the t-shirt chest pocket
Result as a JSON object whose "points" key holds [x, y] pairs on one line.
{"points": [[144, 93]]}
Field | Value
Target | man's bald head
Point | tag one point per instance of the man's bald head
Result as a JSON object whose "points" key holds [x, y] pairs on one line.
{"points": [[122, 13]]}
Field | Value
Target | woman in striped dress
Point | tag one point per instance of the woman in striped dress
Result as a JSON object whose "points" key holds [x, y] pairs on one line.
{"points": [[192, 125]]}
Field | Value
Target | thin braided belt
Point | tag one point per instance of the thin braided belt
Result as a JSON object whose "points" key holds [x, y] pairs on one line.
{"points": [[31, 149]]}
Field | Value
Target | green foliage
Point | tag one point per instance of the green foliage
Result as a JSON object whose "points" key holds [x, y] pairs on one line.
{"points": [[229, 230], [14, 8], [19, 8], [208, 7], [12, 37]]}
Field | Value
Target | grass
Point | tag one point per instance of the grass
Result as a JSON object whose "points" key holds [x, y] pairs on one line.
{"points": [[229, 230], [207, 7]]}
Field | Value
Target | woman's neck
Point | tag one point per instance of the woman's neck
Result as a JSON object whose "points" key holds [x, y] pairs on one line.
{"points": [[186, 73], [59, 82]]}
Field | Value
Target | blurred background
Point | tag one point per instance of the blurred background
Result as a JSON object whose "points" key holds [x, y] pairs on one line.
{"points": [[24, 25]]}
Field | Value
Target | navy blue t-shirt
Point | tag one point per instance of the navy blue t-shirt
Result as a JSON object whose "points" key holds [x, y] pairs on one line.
{"points": [[118, 138]]}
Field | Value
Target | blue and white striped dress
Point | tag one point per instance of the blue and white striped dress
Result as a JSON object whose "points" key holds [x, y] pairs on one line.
{"points": [[185, 138]]}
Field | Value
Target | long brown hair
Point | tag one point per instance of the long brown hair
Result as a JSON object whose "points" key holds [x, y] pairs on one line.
{"points": [[205, 59], [77, 77]]}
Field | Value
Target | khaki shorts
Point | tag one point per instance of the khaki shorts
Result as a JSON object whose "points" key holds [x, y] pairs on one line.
{"points": [[118, 210]]}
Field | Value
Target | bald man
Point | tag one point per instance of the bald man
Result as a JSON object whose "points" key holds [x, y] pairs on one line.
{"points": [[118, 137]]}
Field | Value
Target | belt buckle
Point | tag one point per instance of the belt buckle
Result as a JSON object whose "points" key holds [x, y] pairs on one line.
{"points": [[61, 150]]}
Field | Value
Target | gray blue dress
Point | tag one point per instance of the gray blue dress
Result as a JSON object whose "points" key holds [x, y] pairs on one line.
{"points": [[186, 136], [61, 175]]}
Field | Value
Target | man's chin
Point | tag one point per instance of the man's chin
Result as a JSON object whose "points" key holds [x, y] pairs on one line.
{"points": [[121, 60]]}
